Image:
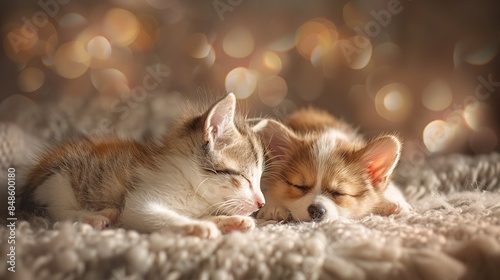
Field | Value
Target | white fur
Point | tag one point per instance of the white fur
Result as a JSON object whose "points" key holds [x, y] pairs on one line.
{"points": [[169, 198], [61, 202]]}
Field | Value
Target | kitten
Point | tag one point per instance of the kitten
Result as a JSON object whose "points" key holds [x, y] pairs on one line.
{"points": [[322, 169], [202, 179]]}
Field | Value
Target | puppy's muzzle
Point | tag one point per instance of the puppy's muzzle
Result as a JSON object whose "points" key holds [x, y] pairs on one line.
{"points": [[316, 212]]}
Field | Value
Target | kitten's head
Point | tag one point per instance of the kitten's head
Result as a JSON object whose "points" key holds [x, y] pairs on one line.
{"points": [[321, 176], [230, 160]]}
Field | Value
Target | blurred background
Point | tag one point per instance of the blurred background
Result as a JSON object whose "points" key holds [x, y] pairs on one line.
{"points": [[428, 70]]}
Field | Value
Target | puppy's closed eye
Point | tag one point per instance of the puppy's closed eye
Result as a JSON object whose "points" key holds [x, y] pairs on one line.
{"points": [[302, 188]]}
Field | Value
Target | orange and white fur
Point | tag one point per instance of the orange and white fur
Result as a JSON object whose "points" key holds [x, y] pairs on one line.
{"points": [[322, 169], [203, 179]]}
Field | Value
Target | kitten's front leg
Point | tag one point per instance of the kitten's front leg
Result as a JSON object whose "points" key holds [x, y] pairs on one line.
{"points": [[145, 214], [228, 224]]}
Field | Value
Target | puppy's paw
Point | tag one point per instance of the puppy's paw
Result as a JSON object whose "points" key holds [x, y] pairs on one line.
{"points": [[388, 208], [202, 229], [229, 224]]}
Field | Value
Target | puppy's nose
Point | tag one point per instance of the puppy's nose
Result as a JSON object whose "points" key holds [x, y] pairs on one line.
{"points": [[316, 211]]}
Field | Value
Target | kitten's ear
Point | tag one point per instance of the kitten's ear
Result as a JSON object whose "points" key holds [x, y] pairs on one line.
{"points": [[380, 157], [276, 136], [219, 128]]}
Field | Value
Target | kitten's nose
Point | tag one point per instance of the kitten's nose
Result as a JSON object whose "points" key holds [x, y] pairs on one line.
{"points": [[260, 204], [316, 211]]}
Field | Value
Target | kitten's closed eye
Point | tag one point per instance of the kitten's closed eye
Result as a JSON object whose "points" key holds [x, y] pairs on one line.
{"points": [[223, 171]]}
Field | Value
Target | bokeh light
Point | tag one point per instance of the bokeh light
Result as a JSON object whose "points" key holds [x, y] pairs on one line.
{"points": [[437, 95], [241, 81], [476, 115], [238, 42], [267, 63], [474, 52], [121, 26], [437, 135], [31, 79], [198, 46], [101, 78], [393, 102], [99, 47], [317, 35], [272, 90], [71, 60], [72, 20]]}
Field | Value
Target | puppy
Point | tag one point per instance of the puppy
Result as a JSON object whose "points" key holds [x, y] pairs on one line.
{"points": [[322, 169]]}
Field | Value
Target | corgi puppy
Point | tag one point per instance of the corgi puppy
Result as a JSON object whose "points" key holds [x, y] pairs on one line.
{"points": [[322, 169]]}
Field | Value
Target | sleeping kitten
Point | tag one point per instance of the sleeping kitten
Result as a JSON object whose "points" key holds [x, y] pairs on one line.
{"points": [[203, 179], [321, 169]]}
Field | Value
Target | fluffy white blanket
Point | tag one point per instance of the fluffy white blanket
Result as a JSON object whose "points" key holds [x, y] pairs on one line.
{"points": [[453, 233]]}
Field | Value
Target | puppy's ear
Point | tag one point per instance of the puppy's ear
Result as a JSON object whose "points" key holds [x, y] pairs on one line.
{"points": [[277, 137], [379, 158]]}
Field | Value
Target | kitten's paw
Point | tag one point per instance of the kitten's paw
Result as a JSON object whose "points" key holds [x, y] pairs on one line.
{"points": [[110, 213], [202, 229], [97, 221], [229, 224]]}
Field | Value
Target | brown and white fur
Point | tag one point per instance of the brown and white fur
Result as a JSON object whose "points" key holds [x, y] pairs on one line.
{"points": [[202, 179], [321, 169]]}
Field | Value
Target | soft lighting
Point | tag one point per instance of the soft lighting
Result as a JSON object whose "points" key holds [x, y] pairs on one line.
{"points": [[241, 81], [100, 78], [436, 136], [316, 32], [99, 47], [121, 26], [71, 60], [476, 115], [31, 79], [238, 43], [272, 90], [393, 102], [267, 63], [437, 95], [198, 46]]}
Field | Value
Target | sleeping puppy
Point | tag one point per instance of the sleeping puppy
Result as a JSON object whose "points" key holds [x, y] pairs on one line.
{"points": [[321, 169]]}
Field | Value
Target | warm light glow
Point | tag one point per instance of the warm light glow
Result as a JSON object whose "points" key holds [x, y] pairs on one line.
{"points": [[318, 32], [393, 102], [101, 78], [474, 52], [437, 135], [238, 43], [71, 60], [198, 46], [99, 47], [476, 115], [31, 79], [437, 95], [272, 90], [121, 26], [268, 63], [71, 20], [241, 81], [358, 52], [282, 44]]}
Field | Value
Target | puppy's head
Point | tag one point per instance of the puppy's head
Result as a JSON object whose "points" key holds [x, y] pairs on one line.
{"points": [[325, 175]]}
